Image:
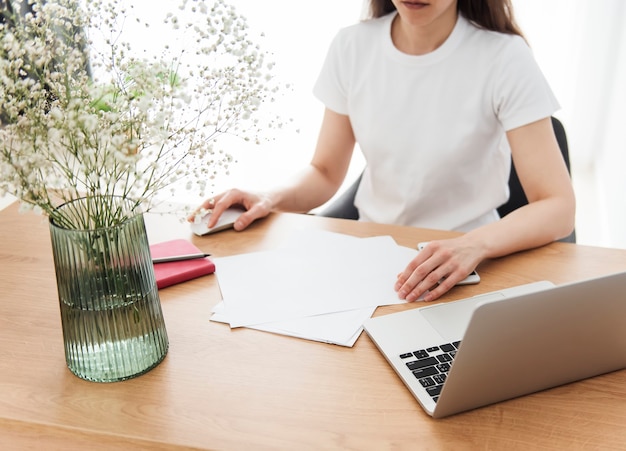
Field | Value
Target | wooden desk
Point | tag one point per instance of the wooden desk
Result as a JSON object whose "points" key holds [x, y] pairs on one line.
{"points": [[244, 389]]}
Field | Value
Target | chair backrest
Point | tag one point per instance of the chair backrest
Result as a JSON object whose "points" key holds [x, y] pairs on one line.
{"points": [[343, 207]]}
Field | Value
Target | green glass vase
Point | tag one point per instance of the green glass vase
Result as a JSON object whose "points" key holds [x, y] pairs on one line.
{"points": [[113, 326]]}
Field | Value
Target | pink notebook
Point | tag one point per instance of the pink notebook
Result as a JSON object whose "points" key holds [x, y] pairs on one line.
{"points": [[171, 273]]}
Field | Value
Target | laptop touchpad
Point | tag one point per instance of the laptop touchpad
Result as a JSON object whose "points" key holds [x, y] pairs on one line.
{"points": [[451, 319]]}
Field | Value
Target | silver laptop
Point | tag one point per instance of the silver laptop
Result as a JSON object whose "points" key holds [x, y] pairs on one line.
{"points": [[465, 354]]}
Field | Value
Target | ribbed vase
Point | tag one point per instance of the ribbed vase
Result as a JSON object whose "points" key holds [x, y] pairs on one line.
{"points": [[113, 326]]}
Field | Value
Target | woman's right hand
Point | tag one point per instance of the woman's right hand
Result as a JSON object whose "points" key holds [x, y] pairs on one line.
{"points": [[256, 206]]}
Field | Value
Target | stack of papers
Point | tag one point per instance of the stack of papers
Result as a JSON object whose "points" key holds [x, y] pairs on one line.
{"points": [[318, 285]]}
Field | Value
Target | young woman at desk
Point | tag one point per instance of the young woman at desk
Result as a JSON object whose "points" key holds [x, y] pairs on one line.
{"points": [[438, 94]]}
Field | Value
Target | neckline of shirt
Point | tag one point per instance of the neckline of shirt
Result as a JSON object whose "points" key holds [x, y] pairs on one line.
{"points": [[437, 55]]}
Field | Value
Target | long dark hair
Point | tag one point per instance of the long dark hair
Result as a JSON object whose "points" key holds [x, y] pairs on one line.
{"points": [[494, 15]]}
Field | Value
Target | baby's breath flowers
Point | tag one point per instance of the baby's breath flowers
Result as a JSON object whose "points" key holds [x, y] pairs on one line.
{"points": [[85, 113]]}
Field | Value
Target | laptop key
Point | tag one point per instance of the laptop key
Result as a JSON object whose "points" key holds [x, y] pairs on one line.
{"points": [[406, 356], [421, 363], [424, 372], [427, 382], [434, 391], [421, 354], [447, 347]]}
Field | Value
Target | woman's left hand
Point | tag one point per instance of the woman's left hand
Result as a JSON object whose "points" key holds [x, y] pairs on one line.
{"points": [[436, 269]]}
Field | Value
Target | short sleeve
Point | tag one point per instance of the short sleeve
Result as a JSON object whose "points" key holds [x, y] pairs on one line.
{"points": [[331, 85], [521, 92]]}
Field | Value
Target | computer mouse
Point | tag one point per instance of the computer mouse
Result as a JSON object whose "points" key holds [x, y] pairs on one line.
{"points": [[226, 221]]}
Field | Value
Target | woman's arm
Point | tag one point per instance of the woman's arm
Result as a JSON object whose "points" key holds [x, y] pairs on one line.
{"points": [[548, 216], [319, 181], [308, 189], [543, 174]]}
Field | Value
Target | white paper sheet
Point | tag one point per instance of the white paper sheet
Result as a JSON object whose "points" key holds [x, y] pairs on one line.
{"points": [[322, 272], [340, 328], [318, 285]]}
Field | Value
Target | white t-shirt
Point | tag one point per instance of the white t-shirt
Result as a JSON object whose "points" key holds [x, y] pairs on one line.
{"points": [[432, 127]]}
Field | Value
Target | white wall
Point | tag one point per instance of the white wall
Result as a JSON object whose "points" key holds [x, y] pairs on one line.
{"points": [[298, 34]]}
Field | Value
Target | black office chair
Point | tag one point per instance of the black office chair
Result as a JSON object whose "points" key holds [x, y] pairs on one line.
{"points": [[343, 207]]}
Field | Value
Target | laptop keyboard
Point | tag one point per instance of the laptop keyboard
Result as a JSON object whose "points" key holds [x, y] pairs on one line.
{"points": [[430, 366]]}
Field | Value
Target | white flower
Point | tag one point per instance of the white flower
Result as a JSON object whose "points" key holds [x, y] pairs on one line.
{"points": [[82, 113]]}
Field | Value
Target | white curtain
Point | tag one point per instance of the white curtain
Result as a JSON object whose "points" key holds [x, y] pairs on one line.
{"points": [[581, 47]]}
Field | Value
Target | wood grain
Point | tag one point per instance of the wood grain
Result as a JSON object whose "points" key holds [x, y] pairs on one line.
{"points": [[235, 389]]}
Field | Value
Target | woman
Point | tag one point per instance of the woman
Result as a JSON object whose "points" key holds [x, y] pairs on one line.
{"points": [[439, 94]]}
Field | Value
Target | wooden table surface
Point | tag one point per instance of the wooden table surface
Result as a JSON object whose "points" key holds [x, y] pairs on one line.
{"points": [[244, 389]]}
